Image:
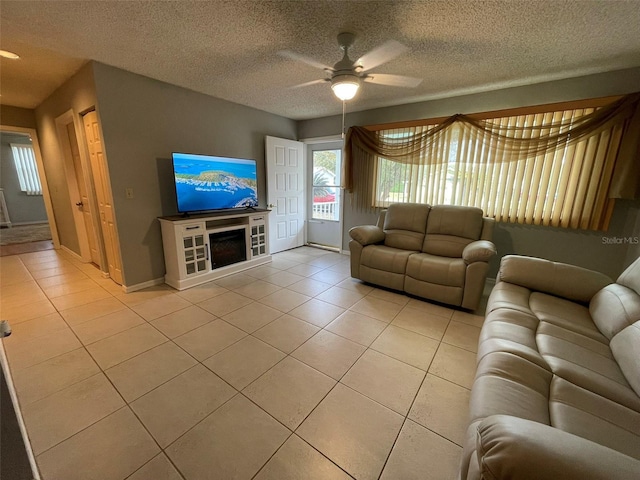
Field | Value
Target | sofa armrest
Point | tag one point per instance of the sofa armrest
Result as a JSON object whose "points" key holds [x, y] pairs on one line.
{"points": [[510, 447], [367, 234], [560, 279], [478, 251]]}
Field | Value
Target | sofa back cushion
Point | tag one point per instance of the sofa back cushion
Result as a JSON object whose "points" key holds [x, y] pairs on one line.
{"points": [[625, 347], [614, 308], [405, 225], [451, 228], [631, 277]]}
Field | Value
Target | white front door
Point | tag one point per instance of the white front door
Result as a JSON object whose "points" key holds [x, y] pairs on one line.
{"points": [[285, 193]]}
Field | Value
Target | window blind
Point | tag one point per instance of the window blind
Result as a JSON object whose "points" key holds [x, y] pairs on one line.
{"points": [[26, 167], [562, 187]]}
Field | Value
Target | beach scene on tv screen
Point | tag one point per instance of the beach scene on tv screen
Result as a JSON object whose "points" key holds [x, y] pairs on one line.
{"points": [[213, 183]]}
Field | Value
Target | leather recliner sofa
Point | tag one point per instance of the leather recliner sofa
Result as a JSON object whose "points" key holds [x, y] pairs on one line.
{"points": [[557, 388], [440, 252]]}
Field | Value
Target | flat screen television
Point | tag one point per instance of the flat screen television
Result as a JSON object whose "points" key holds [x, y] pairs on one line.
{"points": [[205, 182]]}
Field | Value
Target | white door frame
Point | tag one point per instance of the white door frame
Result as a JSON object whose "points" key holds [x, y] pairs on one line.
{"points": [[72, 181], [324, 143], [46, 194], [331, 139]]}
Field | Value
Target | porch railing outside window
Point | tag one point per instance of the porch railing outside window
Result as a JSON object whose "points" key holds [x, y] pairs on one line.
{"points": [[326, 185], [26, 167]]}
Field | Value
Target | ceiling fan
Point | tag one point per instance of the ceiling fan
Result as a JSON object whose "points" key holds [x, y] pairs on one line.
{"points": [[347, 75]]}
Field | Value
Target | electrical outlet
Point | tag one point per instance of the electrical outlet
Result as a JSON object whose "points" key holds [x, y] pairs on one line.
{"points": [[129, 192]]}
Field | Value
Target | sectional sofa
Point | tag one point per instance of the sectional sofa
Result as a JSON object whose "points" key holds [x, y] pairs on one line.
{"points": [[557, 389]]}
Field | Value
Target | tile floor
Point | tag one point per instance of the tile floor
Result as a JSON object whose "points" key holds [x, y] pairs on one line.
{"points": [[287, 371]]}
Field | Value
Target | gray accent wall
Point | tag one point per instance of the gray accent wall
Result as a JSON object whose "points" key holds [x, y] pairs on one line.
{"points": [[143, 121], [632, 229], [23, 208], [585, 248]]}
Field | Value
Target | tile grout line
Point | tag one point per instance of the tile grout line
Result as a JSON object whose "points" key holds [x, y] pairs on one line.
{"points": [[311, 297]]}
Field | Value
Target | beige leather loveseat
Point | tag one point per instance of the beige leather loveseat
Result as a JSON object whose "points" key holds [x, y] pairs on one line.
{"points": [[440, 253], [557, 389]]}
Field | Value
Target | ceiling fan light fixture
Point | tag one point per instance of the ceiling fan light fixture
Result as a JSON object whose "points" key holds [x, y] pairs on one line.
{"points": [[8, 54], [345, 87]]}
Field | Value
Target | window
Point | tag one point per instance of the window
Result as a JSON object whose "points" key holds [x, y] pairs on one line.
{"points": [[326, 185], [528, 168], [25, 162]]}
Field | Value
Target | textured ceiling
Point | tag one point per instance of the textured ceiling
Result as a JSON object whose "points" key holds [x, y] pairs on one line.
{"points": [[228, 49]]}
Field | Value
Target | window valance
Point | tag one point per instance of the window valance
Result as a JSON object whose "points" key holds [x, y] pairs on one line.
{"points": [[550, 141]]}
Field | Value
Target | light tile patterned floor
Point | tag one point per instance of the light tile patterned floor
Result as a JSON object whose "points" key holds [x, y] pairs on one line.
{"points": [[287, 371]]}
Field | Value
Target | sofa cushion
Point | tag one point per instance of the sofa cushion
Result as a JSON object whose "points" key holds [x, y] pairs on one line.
{"points": [[441, 293], [584, 364], [561, 279], [511, 385], [566, 314], [584, 413], [614, 308], [434, 269], [385, 258], [626, 350], [450, 229], [511, 331], [405, 225]]}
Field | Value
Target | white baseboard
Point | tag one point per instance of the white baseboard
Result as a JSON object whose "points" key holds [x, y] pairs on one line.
{"points": [[143, 285], [345, 252]]}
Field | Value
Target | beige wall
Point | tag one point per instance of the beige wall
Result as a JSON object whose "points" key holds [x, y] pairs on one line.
{"points": [[17, 117], [143, 122], [77, 93], [579, 247]]}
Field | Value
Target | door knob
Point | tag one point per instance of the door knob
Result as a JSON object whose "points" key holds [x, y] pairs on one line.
{"points": [[271, 205], [79, 204]]}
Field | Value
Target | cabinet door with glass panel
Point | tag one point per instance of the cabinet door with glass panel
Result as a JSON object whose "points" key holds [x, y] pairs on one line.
{"points": [[196, 253], [259, 236]]}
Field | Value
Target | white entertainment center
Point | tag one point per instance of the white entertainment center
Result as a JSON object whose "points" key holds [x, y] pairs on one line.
{"points": [[203, 247]]}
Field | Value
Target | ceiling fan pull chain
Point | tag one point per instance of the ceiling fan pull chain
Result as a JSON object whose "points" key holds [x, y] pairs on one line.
{"points": [[344, 107]]}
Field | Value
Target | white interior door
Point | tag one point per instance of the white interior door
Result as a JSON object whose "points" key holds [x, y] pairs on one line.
{"points": [[285, 193], [103, 195]]}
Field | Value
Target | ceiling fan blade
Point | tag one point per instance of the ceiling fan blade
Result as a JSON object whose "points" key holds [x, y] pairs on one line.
{"points": [[301, 58], [381, 54], [312, 82], [393, 80]]}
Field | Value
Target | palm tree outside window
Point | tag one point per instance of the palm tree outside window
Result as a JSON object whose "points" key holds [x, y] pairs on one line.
{"points": [[326, 185]]}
